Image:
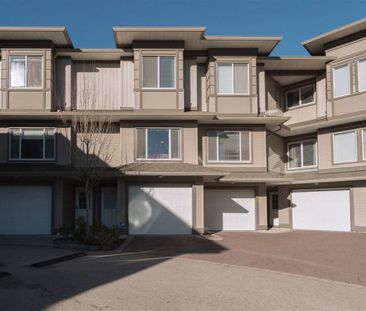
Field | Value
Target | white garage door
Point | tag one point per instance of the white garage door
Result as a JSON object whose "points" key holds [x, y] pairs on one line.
{"points": [[321, 210], [229, 209], [25, 209], [160, 210]]}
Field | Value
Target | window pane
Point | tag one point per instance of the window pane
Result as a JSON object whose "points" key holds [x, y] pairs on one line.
{"points": [[158, 143], [364, 143], [309, 154], [294, 155], [229, 146], [245, 146], [293, 98], [212, 146], [362, 75], [17, 71], [34, 71], [82, 200], [141, 143], [167, 71], [14, 144], [49, 144], [241, 78], [174, 137], [225, 81], [150, 71], [307, 94], [32, 144], [341, 81], [345, 147]]}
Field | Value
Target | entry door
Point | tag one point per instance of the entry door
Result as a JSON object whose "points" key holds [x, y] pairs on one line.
{"points": [[109, 206], [80, 205], [273, 205]]}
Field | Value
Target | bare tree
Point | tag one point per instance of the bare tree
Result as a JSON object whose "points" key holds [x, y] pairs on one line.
{"points": [[89, 134]]}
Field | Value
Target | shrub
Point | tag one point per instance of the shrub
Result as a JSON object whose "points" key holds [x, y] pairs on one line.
{"points": [[102, 236]]}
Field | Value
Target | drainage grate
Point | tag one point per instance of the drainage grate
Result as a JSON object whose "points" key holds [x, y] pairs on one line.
{"points": [[56, 260]]}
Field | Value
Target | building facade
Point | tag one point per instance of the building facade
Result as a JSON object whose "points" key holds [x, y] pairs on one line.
{"points": [[208, 133]]}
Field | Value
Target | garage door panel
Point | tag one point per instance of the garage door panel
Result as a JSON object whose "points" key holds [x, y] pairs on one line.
{"points": [[25, 209], [160, 210], [321, 210], [229, 209]]}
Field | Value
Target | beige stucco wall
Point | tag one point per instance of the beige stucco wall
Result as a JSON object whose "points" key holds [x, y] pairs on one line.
{"points": [[284, 207], [258, 147], [301, 114], [276, 153], [349, 104], [27, 99], [273, 95], [189, 142], [234, 104], [359, 207], [159, 100], [348, 48]]}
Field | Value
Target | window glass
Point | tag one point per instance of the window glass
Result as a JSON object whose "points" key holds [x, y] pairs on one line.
{"points": [[341, 81], [32, 144], [229, 149], [17, 71], [241, 78], [295, 155], [307, 95], [167, 71], [309, 153], [245, 146], [362, 75], [82, 200], [293, 98], [225, 83], [345, 147], [150, 71], [15, 144], [34, 71], [158, 143]]}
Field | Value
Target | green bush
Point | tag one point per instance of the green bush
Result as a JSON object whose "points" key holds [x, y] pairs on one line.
{"points": [[80, 229]]}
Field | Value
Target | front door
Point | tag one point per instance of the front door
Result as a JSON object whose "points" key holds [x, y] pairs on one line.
{"points": [[109, 206], [80, 205], [273, 205]]}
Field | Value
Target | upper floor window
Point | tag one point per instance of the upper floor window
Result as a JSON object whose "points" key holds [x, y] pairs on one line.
{"points": [[300, 96], [32, 144], [341, 81], [233, 78], [25, 71], [302, 154], [345, 147], [362, 75], [158, 144], [158, 72], [229, 146]]}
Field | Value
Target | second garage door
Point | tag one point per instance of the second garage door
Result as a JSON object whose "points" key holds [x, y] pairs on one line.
{"points": [[321, 210], [229, 209], [25, 209], [160, 209]]}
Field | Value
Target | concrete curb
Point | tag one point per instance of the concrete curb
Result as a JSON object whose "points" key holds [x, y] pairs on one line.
{"points": [[124, 244], [299, 276]]}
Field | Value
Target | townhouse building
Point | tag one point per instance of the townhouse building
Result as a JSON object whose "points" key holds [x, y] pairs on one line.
{"points": [[209, 133]]}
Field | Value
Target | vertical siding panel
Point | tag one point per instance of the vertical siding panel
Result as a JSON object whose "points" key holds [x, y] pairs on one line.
{"points": [[128, 99]]}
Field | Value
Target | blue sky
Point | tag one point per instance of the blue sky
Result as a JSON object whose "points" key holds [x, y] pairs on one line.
{"points": [[89, 22]]}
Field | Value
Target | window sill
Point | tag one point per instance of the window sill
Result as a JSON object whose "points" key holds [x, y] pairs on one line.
{"points": [[301, 106], [294, 169], [232, 95]]}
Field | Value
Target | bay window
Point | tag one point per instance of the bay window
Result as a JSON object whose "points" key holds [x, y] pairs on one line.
{"points": [[300, 96], [229, 146], [25, 71], [362, 75], [233, 78], [158, 144], [32, 144], [158, 72]]}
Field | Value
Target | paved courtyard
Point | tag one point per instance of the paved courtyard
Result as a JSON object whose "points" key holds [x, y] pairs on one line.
{"points": [[303, 271]]}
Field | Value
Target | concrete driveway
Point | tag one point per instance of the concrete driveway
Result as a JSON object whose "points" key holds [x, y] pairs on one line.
{"points": [[177, 273]]}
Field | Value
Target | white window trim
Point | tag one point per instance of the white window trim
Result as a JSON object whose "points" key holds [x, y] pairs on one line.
{"points": [[26, 72], [158, 73], [170, 143], [356, 150], [363, 144], [348, 80], [232, 75], [359, 90], [300, 100], [20, 159], [301, 142], [218, 152]]}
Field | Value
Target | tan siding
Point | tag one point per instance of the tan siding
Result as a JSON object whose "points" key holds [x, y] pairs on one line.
{"points": [[276, 153], [348, 49], [97, 85], [359, 201], [128, 97]]}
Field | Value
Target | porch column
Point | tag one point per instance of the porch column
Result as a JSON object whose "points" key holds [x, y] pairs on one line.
{"points": [[122, 210], [198, 208], [284, 207], [262, 212], [58, 204]]}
